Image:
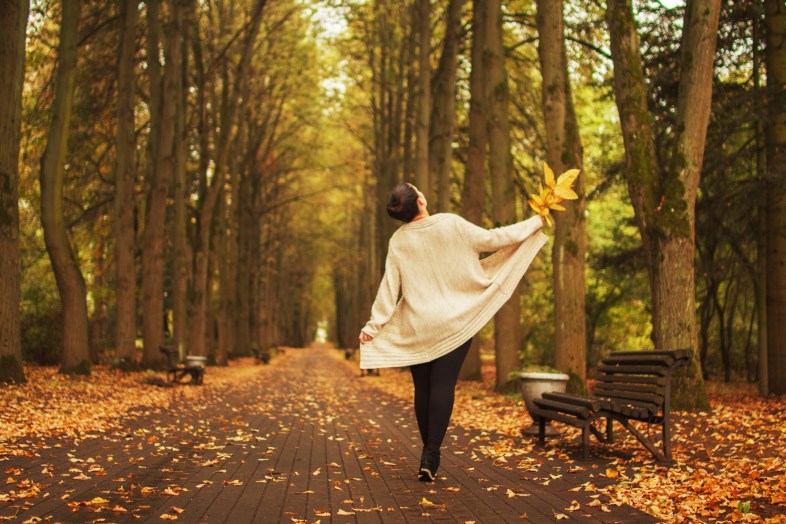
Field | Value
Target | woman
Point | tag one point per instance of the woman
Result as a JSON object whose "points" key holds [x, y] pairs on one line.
{"points": [[436, 294]]}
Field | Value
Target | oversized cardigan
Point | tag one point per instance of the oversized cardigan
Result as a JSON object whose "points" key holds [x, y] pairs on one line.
{"points": [[437, 293]]}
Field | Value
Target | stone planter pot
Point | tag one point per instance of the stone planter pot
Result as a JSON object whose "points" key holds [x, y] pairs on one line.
{"points": [[532, 386], [195, 361]]}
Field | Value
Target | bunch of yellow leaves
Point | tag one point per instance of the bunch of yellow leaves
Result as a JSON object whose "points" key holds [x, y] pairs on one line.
{"points": [[555, 192]]}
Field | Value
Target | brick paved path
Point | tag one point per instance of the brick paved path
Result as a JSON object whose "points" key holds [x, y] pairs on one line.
{"points": [[305, 440]]}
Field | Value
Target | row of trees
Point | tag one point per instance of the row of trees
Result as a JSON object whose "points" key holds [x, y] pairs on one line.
{"points": [[662, 82], [169, 135], [176, 193]]}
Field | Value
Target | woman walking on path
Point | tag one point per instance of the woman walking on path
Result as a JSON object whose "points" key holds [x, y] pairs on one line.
{"points": [[436, 294]]}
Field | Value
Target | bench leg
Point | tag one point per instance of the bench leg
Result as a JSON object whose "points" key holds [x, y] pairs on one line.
{"points": [[666, 438], [609, 430], [644, 441], [585, 441]]}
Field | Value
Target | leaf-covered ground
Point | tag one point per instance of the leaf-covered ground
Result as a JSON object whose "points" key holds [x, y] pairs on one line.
{"points": [[304, 439], [730, 462]]}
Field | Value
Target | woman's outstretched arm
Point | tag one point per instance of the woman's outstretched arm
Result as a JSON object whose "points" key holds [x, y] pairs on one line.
{"points": [[482, 239]]}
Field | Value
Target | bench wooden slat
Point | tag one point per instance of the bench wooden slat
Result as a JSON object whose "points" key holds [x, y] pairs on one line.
{"points": [[559, 417], [634, 408], [676, 354], [640, 360], [655, 399], [589, 403], [650, 389], [634, 370], [641, 379], [563, 407]]}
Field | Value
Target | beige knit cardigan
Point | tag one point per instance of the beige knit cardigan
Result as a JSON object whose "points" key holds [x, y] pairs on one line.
{"points": [[437, 293]]}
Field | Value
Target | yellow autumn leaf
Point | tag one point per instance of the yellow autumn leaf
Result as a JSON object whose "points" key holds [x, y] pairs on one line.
{"points": [[565, 193], [548, 175], [556, 207], [426, 503], [566, 179], [98, 501]]}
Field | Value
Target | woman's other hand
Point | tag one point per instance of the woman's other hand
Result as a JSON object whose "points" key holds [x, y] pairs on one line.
{"points": [[364, 337]]}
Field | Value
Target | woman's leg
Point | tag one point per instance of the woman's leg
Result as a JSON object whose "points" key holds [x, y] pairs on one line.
{"points": [[421, 376], [444, 373]]}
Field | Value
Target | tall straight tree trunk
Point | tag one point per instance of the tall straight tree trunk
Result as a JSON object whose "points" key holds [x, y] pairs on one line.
{"points": [[125, 178], [155, 228], [181, 255], [563, 150], [775, 136], [664, 197], [13, 24], [422, 176], [70, 282], [473, 196], [760, 290], [154, 80], [443, 114], [507, 322], [224, 269]]}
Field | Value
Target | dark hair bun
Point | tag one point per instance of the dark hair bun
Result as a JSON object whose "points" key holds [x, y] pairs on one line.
{"points": [[403, 203]]}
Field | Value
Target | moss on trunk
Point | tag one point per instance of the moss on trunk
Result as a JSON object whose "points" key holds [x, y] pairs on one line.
{"points": [[11, 370]]}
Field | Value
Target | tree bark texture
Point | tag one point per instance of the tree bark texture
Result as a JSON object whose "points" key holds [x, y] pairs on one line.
{"points": [[664, 197], [70, 282], [423, 179], [760, 291], [507, 322], [775, 136], [181, 255], [563, 150], [125, 178], [13, 23], [154, 241], [443, 112], [473, 196]]}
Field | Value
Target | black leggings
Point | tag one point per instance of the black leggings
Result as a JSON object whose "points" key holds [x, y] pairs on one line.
{"points": [[435, 383]]}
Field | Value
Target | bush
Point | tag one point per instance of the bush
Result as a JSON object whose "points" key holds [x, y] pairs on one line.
{"points": [[42, 337]]}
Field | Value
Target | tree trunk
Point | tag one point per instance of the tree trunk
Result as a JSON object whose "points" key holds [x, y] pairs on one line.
{"points": [[443, 114], [422, 175], [13, 24], [154, 79], [154, 241], [181, 254], [760, 276], [473, 196], [664, 197], [563, 150], [125, 178], [70, 283], [775, 136], [507, 322]]}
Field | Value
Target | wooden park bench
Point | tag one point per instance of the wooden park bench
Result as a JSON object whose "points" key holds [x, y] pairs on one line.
{"points": [[177, 370], [631, 385]]}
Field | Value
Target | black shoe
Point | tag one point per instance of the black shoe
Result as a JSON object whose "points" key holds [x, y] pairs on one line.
{"points": [[429, 463]]}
